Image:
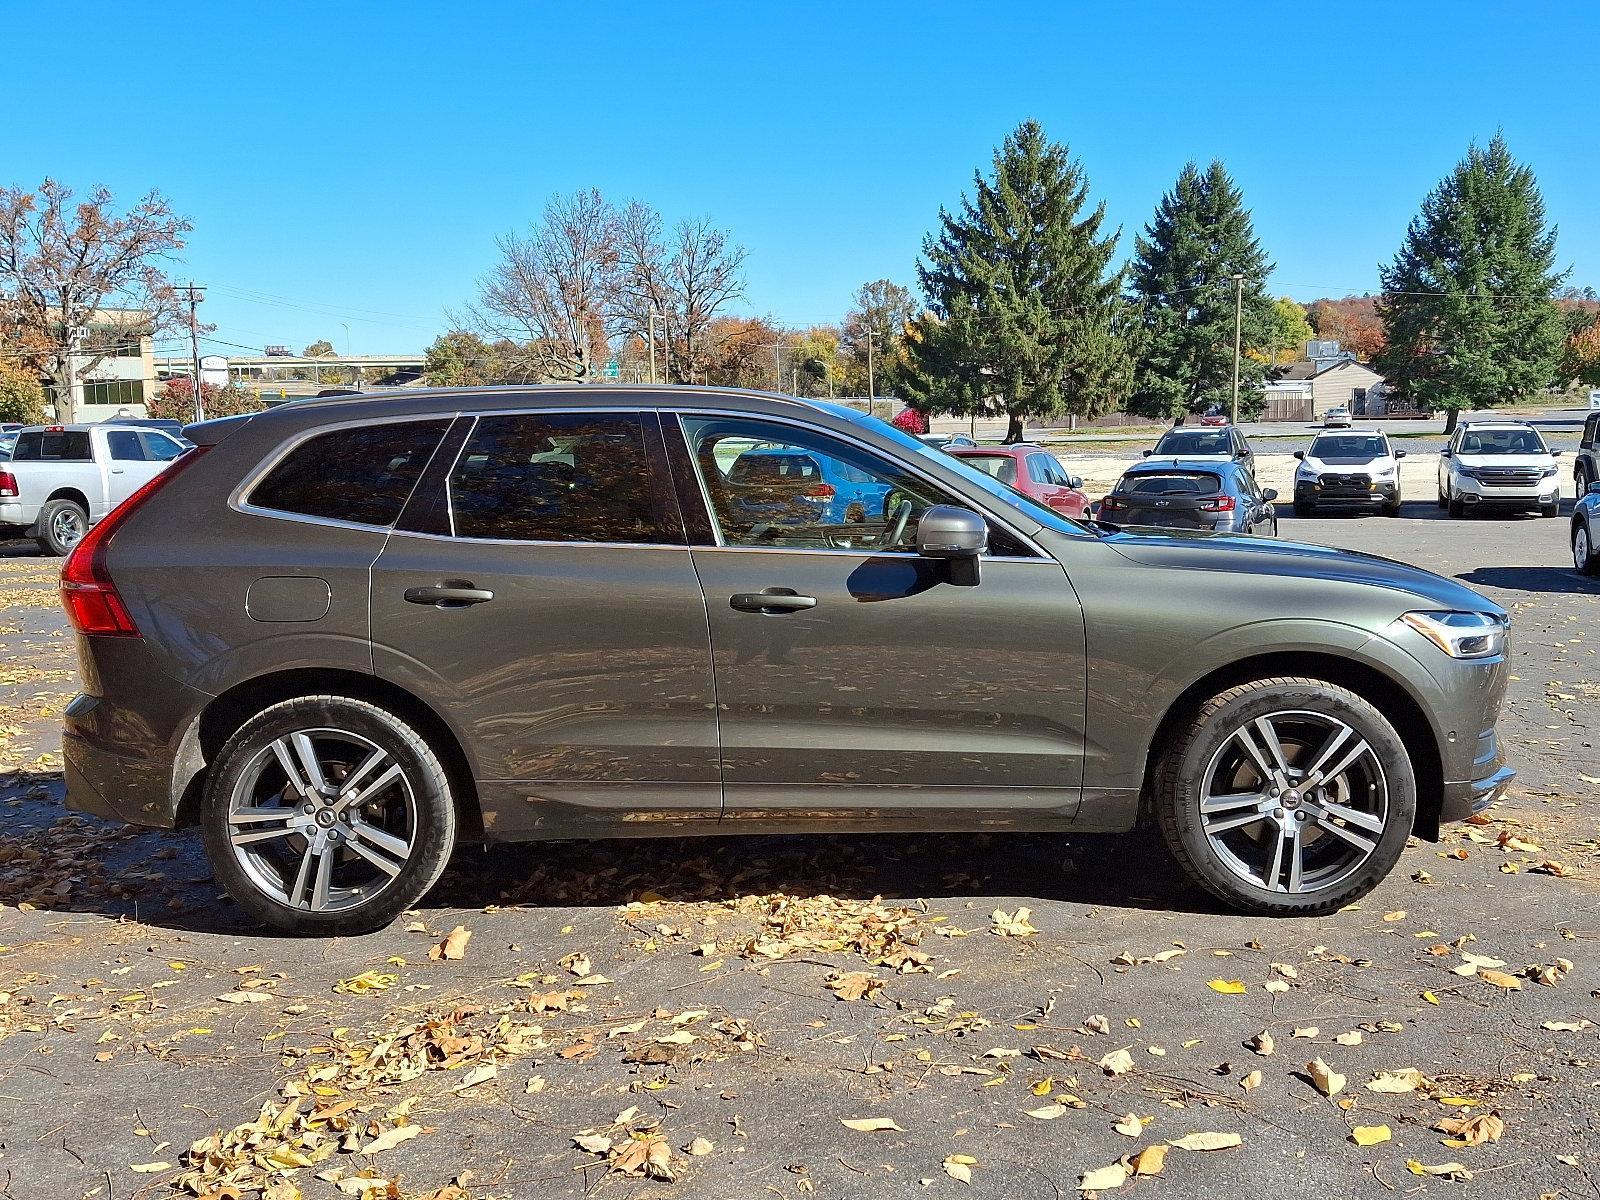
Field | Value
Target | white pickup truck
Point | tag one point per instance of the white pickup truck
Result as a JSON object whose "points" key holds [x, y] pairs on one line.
{"points": [[61, 479]]}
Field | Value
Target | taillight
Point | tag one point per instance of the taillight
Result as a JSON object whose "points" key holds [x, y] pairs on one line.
{"points": [[8, 484], [87, 591], [822, 491], [1113, 502], [1217, 504]]}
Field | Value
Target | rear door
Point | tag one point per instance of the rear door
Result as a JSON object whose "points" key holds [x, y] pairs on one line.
{"points": [[539, 590]]}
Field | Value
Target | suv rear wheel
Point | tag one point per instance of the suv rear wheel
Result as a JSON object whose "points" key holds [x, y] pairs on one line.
{"points": [[1585, 554], [327, 815], [1287, 796]]}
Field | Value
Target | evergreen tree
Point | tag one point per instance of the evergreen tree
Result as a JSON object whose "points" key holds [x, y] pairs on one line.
{"points": [[1182, 278], [1025, 317], [1467, 301]]}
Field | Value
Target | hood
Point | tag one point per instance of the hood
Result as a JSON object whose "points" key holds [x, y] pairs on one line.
{"points": [[1343, 460], [1505, 460], [1199, 551]]}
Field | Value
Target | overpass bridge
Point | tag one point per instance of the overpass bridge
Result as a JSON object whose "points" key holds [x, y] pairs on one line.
{"points": [[295, 374]]}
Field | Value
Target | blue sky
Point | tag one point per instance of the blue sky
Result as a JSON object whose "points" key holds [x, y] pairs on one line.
{"points": [[347, 166]]}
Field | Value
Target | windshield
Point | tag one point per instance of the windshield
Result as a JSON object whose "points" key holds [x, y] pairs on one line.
{"points": [[921, 452], [1184, 442], [1349, 445], [1502, 441], [1169, 483]]}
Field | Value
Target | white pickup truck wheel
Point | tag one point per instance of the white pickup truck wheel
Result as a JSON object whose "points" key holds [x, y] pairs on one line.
{"points": [[62, 524]]}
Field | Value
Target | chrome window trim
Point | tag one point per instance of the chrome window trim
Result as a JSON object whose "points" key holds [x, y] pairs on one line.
{"points": [[911, 468], [862, 553], [476, 541]]}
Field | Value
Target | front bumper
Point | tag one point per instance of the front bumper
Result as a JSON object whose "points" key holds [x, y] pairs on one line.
{"points": [[1473, 492], [1462, 800], [1379, 492]]}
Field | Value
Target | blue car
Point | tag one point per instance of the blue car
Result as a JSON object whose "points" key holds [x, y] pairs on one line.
{"points": [[1586, 531], [787, 485]]}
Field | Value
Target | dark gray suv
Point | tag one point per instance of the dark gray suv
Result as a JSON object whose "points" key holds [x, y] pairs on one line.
{"points": [[345, 634]]}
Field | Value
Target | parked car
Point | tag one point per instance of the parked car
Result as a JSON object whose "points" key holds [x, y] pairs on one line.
{"points": [[1033, 471], [784, 485], [1586, 531], [8, 439], [1499, 464], [1215, 418], [61, 479], [166, 424], [946, 441], [1193, 445], [1586, 463], [1353, 469], [343, 635], [1221, 497], [1337, 417]]}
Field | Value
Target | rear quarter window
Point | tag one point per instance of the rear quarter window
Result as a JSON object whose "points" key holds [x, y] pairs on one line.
{"points": [[361, 474]]}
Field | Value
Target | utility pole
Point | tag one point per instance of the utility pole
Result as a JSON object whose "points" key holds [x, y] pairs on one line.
{"points": [[777, 370], [1238, 320], [195, 295], [871, 393], [67, 410], [650, 336]]}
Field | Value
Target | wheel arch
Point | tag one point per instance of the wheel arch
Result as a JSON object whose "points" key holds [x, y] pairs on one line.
{"points": [[1388, 694], [76, 495], [230, 709]]}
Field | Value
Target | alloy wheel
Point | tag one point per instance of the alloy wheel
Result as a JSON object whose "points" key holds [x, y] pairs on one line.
{"points": [[66, 527], [1580, 547], [322, 819], [1294, 801]]}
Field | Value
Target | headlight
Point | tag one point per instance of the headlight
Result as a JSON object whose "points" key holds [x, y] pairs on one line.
{"points": [[1461, 634], [1384, 473], [1552, 469], [1306, 471]]}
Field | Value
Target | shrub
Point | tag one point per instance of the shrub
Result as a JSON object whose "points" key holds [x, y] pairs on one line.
{"points": [[175, 400], [21, 395], [909, 420]]}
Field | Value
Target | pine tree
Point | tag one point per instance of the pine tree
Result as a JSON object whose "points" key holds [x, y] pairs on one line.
{"points": [[1182, 279], [1025, 315], [1467, 301]]}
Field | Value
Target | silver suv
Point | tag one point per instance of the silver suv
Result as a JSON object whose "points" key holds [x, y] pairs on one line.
{"points": [[1499, 464], [345, 634]]}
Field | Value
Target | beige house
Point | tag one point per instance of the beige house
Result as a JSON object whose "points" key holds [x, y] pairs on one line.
{"points": [[1341, 381]]}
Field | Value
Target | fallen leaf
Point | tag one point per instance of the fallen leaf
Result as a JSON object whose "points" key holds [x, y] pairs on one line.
{"points": [[1262, 1044], [871, 1124], [479, 1074], [367, 981], [1370, 1135], [1472, 1131], [1228, 987], [1208, 1141], [1276, 986], [149, 1168], [1407, 1079], [959, 1167], [1118, 1062], [1306, 1031], [1048, 1113], [855, 985], [1328, 1081], [1104, 1179], [1352, 1038], [1452, 1170], [1017, 924], [391, 1138], [1577, 1026], [245, 997], [1129, 1126], [1251, 1081], [1151, 1159], [1501, 980], [454, 945], [594, 1143]]}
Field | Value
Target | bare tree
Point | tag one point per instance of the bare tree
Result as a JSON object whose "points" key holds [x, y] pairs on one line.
{"points": [[552, 290], [64, 265], [704, 274], [644, 279]]}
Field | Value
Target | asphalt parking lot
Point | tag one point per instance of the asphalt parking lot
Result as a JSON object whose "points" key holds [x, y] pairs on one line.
{"points": [[832, 1016]]}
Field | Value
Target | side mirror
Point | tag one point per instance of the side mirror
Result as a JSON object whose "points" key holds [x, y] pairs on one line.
{"points": [[1444, 454], [1399, 453], [1075, 482], [956, 535], [1148, 453], [1555, 454], [1593, 489], [1300, 454], [1269, 494]]}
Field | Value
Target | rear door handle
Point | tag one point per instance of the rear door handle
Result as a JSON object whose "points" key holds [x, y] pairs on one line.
{"points": [[772, 601], [449, 595]]}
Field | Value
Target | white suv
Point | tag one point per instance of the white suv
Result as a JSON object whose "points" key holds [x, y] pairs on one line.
{"points": [[1501, 464]]}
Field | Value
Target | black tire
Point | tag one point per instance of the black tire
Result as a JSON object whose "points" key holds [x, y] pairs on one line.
{"points": [[1443, 501], [1392, 509], [57, 520], [1457, 507], [433, 821], [1550, 510], [1585, 561], [1304, 509], [1210, 733]]}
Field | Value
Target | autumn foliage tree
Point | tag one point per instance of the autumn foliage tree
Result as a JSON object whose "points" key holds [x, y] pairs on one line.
{"points": [[63, 263], [1352, 322], [21, 396], [174, 400]]}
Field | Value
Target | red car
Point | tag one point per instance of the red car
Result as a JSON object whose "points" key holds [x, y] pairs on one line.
{"points": [[1214, 419], [1033, 471]]}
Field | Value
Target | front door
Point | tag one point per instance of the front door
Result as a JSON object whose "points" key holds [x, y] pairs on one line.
{"points": [[129, 464], [538, 588], [855, 682]]}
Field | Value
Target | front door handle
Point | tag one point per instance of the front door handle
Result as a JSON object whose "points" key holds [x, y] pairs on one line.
{"points": [[772, 601], [453, 594]]}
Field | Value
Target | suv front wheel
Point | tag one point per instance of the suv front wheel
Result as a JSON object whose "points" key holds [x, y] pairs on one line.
{"points": [[327, 815], [1286, 796]]}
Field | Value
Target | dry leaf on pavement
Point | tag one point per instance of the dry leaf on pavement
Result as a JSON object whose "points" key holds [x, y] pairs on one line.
{"points": [[871, 1124], [1328, 1081], [1208, 1141]]}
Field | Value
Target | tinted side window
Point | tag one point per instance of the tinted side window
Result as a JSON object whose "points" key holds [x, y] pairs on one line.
{"points": [[125, 445], [158, 448], [361, 474], [70, 445], [560, 477]]}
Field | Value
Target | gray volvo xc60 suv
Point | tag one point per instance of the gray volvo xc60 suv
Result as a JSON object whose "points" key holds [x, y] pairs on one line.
{"points": [[344, 634]]}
